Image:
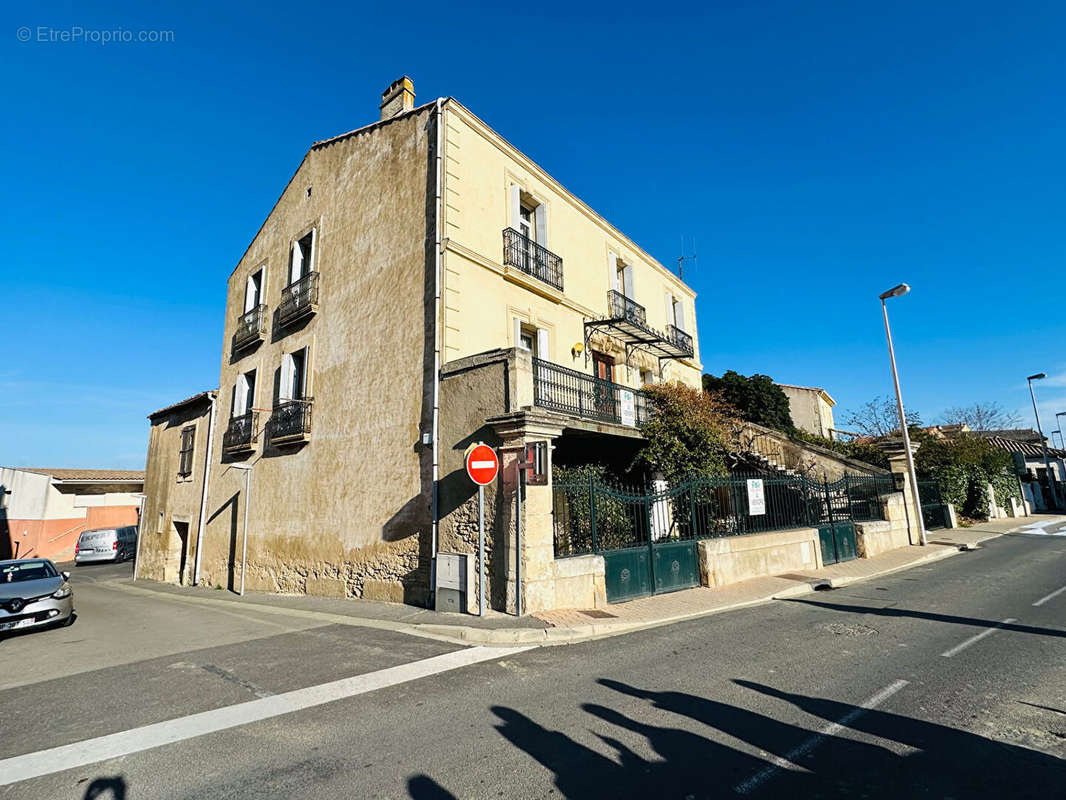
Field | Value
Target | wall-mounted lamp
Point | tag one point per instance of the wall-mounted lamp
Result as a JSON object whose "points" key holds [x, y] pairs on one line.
{"points": [[577, 349]]}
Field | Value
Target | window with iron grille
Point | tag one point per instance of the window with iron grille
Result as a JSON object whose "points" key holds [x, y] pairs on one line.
{"points": [[188, 439]]}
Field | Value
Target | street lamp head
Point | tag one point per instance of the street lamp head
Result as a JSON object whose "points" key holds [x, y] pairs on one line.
{"points": [[896, 291], [1038, 377]]}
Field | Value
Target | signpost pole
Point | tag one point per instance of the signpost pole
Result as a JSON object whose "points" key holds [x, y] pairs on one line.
{"points": [[481, 549]]}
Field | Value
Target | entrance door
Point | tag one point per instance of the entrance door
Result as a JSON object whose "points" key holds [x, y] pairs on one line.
{"points": [[603, 392], [182, 530]]}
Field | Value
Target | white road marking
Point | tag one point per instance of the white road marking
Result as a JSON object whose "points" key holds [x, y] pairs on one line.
{"points": [[788, 761], [975, 639], [1041, 527], [1051, 596], [135, 740]]}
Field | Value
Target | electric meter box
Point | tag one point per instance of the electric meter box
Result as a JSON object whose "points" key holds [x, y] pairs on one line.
{"points": [[455, 583]]}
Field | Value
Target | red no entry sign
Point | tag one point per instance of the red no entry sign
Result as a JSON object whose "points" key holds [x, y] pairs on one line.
{"points": [[482, 464]]}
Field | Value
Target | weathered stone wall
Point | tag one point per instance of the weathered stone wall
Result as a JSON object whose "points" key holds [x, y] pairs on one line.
{"points": [[169, 497], [348, 512], [808, 459]]}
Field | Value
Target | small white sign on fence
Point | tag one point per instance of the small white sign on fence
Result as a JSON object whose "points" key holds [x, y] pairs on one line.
{"points": [[628, 410], [756, 497]]}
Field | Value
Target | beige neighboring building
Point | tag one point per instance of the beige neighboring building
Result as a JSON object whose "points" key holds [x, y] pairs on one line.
{"points": [[420, 285], [178, 461], [811, 408]]}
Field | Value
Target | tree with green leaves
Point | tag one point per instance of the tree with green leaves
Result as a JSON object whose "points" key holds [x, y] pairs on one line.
{"points": [[689, 435], [756, 398]]}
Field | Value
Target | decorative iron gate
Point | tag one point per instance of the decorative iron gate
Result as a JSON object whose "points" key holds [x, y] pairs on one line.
{"points": [[934, 512], [648, 538]]}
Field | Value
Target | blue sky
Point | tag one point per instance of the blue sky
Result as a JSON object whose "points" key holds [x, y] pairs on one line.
{"points": [[817, 153]]}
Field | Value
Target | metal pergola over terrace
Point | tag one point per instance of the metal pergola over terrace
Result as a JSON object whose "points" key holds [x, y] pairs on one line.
{"points": [[627, 323]]}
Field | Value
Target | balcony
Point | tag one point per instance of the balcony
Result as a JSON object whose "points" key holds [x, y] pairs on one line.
{"points": [[627, 322], [241, 433], [681, 340], [571, 392], [299, 299], [291, 422], [251, 328], [527, 256]]}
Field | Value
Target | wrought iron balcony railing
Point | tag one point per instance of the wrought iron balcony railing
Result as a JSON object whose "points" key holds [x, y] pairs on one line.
{"points": [[290, 422], [299, 299], [251, 327], [526, 255], [579, 394], [241, 433], [680, 338], [622, 307]]}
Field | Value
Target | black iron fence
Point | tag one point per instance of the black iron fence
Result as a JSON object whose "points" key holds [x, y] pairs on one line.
{"points": [[583, 395], [298, 298], [291, 420], [591, 516], [242, 432], [250, 327], [531, 258]]}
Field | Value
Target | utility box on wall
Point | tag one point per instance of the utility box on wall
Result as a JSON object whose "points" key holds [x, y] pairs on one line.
{"points": [[455, 582]]}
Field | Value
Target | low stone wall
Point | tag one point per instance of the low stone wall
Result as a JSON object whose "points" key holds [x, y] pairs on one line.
{"points": [[732, 559], [874, 538], [579, 583]]}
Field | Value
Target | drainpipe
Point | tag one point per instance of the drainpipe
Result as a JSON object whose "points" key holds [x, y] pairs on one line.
{"points": [[439, 232], [203, 494]]}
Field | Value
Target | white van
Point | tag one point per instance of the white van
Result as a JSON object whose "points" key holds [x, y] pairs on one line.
{"points": [[106, 544]]}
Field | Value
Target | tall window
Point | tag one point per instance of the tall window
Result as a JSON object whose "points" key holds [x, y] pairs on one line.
{"points": [[253, 291], [188, 441], [244, 394], [302, 259], [675, 312], [293, 376]]}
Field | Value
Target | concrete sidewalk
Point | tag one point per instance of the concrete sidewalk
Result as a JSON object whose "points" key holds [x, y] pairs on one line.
{"points": [[562, 627]]}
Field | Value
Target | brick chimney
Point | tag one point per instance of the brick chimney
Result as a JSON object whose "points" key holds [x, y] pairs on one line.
{"points": [[398, 98]]}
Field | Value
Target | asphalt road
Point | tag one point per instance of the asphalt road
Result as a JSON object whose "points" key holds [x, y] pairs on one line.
{"points": [[947, 680]]}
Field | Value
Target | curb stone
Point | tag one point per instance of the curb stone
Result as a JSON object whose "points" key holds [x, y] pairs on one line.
{"points": [[552, 636]]}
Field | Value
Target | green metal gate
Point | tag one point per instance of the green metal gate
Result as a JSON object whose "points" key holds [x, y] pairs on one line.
{"points": [[648, 539], [934, 512]]}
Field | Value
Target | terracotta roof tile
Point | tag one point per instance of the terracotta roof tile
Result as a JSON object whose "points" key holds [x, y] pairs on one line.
{"points": [[123, 475]]}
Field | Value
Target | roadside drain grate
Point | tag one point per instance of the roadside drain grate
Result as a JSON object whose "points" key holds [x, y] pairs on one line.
{"points": [[596, 614]]}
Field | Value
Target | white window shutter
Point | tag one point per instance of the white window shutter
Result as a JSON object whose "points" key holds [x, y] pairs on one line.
{"points": [[286, 390], [627, 277], [310, 266], [670, 318], [517, 332], [612, 265], [541, 219], [250, 299], [542, 344], [516, 207], [679, 315], [296, 265], [240, 396]]}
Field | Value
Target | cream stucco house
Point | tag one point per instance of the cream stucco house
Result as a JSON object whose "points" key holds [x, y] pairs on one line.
{"points": [[811, 408], [419, 285]]}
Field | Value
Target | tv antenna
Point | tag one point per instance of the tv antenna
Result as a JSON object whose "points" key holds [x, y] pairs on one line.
{"points": [[681, 259]]}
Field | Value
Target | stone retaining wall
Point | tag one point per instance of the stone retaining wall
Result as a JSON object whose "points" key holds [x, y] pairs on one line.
{"points": [[732, 559]]}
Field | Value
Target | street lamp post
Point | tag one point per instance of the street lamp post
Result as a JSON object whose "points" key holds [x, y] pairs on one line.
{"points": [[1043, 445], [247, 469], [1053, 438], [1062, 444], [899, 291]]}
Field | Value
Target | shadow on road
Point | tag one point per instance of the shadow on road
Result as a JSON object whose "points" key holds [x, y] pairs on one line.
{"points": [[925, 759], [106, 789], [933, 616]]}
